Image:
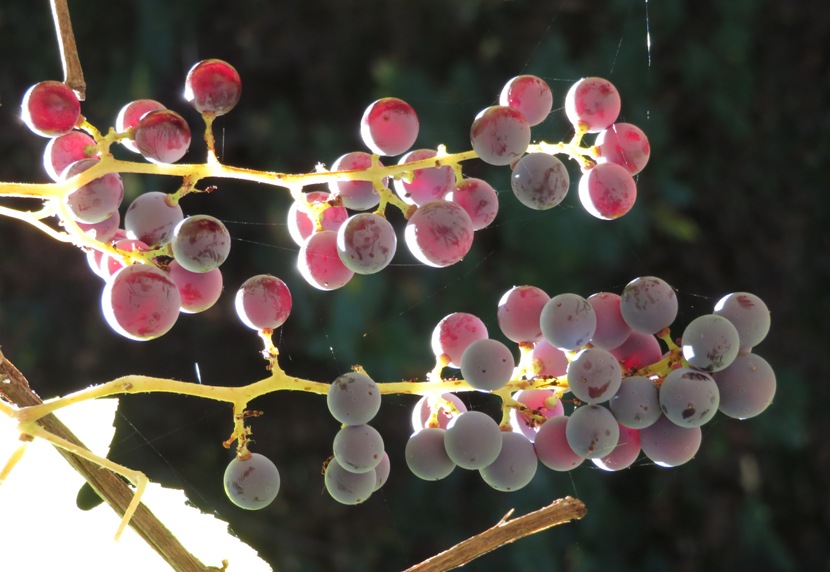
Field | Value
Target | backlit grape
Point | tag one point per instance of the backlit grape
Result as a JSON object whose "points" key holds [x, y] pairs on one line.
{"points": [[50, 108], [366, 243], [500, 135], [529, 95], [162, 136], [252, 482], [263, 302], [200, 243], [607, 191], [141, 302], [540, 181], [389, 126], [213, 86], [592, 103], [440, 233]]}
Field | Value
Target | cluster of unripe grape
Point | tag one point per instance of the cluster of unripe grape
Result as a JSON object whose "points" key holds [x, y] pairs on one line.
{"points": [[592, 382], [340, 232]]}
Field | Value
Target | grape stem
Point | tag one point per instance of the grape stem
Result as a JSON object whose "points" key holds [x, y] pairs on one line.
{"points": [[72, 72]]}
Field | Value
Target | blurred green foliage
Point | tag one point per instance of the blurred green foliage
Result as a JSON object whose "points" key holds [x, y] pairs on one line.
{"points": [[733, 97]]}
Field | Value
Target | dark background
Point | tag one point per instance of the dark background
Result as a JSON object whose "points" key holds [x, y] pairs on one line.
{"points": [[733, 98]]}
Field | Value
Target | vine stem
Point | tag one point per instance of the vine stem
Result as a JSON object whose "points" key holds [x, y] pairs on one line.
{"points": [[507, 530], [72, 72]]}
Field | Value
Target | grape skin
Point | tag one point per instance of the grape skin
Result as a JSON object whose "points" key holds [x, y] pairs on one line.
{"points": [[426, 455], [353, 398], [439, 234], [515, 465], [200, 243], [499, 135], [537, 401], [358, 448], [594, 375], [454, 333], [592, 431], [355, 195], [366, 243], [129, 116], [473, 440], [568, 321], [252, 483], [300, 224], [637, 403], [710, 342], [689, 397], [746, 388], [540, 181], [548, 361], [552, 446], [638, 351], [346, 487], [648, 304], [263, 302], [103, 231], [668, 444], [487, 365]]}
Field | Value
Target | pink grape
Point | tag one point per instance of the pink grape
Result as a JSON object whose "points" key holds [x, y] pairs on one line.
{"points": [[98, 199], [320, 264], [594, 375], [636, 403], [300, 224], [129, 116], [198, 290], [519, 311], [162, 136], [151, 218], [648, 304], [51, 108], [66, 149], [355, 195], [515, 465], [141, 302], [607, 191], [389, 126], [638, 351], [749, 314], [479, 199], [592, 103], [568, 321], [440, 233], [592, 431], [366, 243], [548, 361], [540, 181], [611, 329], [487, 365], [499, 135], [670, 445], [746, 388], [263, 302], [426, 455], [422, 411], [624, 454], [552, 446], [103, 231], [530, 95], [473, 440], [200, 243], [454, 333], [537, 401], [97, 259], [212, 86], [624, 144], [426, 184]]}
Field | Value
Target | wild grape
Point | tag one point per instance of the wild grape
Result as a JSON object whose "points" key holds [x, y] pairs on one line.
{"points": [[607, 191], [473, 440], [151, 218], [62, 151], [530, 95], [624, 454], [710, 342], [426, 455], [346, 487], [50, 108], [568, 321], [594, 375], [439, 234], [358, 448], [540, 181], [611, 330], [389, 126], [320, 264], [624, 144], [212, 86], [669, 444], [353, 398], [636, 404], [366, 243], [689, 397], [746, 387], [479, 199], [355, 195], [552, 446], [454, 333], [515, 465], [648, 304], [487, 365], [592, 431], [540, 402], [424, 185], [263, 302], [422, 412], [141, 302], [593, 104], [499, 135], [749, 314], [252, 482], [200, 243]]}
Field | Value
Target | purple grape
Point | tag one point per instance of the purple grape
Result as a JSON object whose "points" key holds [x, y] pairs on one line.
{"points": [[594, 376], [424, 185], [648, 304], [151, 218], [66, 149], [668, 444], [346, 487], [499, 135], [537, 401], [552, 446], [198, 290], [473, 440], [568, 321], [50, 108], [389, 126], [353, 398], [607, 191], [355, 195], [636, 404], [519, 311], [358, 448], [689, 397], [540, 181], [162, 136], [320, 264], [98, 199], [515, 466], [624, 454], [592, 104], [592, 431], [487, 365], [710, 342], [366, 243], [440, 233], [624, 144], [479, 199], [454, 333], [426, 456], [252, 483], [612, 330], [749, 314], [422, 412], [746, 387], [530, 95], [141, 302], [129, 116], [263, 302], [213, 86], [200, 243]]}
